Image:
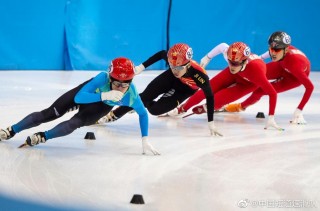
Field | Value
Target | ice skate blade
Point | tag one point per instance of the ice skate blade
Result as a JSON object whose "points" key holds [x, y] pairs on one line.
{"points": [[23, 145]]}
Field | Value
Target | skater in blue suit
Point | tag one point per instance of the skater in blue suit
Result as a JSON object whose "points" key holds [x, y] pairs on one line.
{"points": [[94, 99]]}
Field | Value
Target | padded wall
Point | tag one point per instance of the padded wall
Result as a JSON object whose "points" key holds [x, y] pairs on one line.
{"points": [[88, 34], [31, 34]]}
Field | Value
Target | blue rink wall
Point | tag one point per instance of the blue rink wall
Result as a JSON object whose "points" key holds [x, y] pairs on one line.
{"points": [[88, 34]]}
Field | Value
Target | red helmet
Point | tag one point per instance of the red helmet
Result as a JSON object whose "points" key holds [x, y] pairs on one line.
{"points": [[238, 52], [179, 54], [122, 69]]}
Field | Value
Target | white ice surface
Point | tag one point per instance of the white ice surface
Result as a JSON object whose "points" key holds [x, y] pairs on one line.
{"points": [[194, 172]]}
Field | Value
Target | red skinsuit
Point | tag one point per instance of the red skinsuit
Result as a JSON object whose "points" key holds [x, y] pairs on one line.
{"points": [[292, 71], [228, 87]]}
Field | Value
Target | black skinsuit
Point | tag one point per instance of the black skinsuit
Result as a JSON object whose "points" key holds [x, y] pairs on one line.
{"points": [[173, 89]]}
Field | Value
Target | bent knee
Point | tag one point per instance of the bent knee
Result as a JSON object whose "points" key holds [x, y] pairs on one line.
{"points": [[156, 111]]}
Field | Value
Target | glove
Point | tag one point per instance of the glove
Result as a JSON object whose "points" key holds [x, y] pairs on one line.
{"points": [[110, 117], [146, 146], [113, 95], [138, 69], [200, 109], [235, 107], [298, 118], [205, 61], [272, 123], [213, 129]]}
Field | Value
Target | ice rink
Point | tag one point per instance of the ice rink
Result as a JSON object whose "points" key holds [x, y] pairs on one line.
{"points": [[249, 168]]}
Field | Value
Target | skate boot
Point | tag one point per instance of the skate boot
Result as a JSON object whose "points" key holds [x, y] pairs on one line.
{"points": [[178, 111], [6, 134], [200, 109], [110, 117], [36, 138], [235, 107]]}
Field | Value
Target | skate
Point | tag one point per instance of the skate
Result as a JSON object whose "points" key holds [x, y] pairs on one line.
{"points": [[198, 110], [34, 139], [201, 109], [176, 112], [110, 117], [6, 134], [235, 107]]}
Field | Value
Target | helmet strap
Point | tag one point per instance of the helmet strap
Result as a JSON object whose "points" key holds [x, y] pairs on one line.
{"points": [[244, 65], [187, 68]]}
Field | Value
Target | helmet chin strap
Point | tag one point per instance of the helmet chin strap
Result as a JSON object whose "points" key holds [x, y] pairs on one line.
{"points": [[187, 68], [243, 66]]}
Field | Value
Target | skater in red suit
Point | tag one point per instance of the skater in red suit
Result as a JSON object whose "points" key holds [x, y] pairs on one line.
{"points": [[289, 69], [245, 73]]}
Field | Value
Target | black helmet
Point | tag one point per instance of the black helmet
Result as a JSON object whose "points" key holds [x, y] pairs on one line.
{"points": [[279, 39]]}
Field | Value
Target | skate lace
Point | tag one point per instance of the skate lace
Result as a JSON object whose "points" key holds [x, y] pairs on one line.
{"points": [[6, 133], [37, 138]]}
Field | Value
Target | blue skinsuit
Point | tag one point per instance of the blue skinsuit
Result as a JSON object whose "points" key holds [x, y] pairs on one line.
{"points": [[87, 98]]}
